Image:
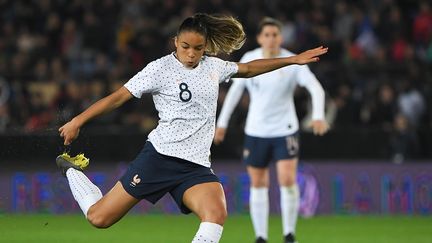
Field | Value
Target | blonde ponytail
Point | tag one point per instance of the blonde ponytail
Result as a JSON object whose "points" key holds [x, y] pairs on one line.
{"points": [[223, 33]]}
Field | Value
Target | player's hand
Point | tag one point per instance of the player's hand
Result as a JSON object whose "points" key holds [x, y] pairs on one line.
{"points": [[219, 135], [69, 132], [319, 127], [311, 55]]}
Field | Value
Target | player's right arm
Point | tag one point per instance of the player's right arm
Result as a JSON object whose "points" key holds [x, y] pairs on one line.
{"points": [[70, 130], [231, 100]]}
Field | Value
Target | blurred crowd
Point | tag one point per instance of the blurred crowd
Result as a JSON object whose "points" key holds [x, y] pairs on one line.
{"points": [[59, 56]]}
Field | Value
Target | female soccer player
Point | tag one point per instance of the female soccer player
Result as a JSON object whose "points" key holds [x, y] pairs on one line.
{"points": [[271, 128], [175, 158]]}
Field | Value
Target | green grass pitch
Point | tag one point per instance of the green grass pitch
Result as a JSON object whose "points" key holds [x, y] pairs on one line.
{"points": [[157, 228]]}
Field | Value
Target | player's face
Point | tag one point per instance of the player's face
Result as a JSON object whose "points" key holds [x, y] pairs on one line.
{"points": [[190, 47], [270, 38]]}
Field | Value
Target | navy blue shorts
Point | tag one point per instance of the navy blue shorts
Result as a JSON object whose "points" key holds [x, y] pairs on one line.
{"points": [[151, 175], [259, 152]]}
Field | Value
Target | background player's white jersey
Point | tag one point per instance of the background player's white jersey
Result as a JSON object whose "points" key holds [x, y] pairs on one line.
{"points": [[271, 110], [186, 100]]}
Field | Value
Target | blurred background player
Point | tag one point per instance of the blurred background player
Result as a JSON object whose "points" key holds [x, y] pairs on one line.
{"points": [[175, 158], [272, 128]]}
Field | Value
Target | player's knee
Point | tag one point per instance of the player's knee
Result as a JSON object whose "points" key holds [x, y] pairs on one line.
{"points": [[216, 215], [259, 185], [98, 220], [259, 182], [287, 182], [219, 216]]}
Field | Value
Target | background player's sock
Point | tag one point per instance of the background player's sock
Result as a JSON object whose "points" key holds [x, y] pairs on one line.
{"points": [[208, 233], [259, 210], [83, 190], [290, 200]]}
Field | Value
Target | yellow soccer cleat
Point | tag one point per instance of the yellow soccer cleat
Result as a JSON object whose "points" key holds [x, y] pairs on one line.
{"points": [[79, 162]]}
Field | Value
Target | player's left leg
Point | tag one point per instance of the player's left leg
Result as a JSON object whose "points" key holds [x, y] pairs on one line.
{"points": [[289, 196], [207, 201]]}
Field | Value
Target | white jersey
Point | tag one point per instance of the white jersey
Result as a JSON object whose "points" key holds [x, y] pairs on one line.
{"points": [[271, 110], [186, 100]]}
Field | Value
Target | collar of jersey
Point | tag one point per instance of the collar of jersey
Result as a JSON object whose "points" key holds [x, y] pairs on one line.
{"points": [[281, 54], [178, 63]]}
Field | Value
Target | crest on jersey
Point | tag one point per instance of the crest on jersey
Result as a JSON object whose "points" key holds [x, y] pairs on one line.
{"points": [[214, 77]]}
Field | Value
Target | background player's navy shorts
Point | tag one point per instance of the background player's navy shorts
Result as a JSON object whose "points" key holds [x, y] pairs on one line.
{"points": [[151, 175], [259, 152]]}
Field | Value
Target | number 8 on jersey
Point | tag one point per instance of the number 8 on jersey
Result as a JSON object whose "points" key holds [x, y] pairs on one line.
{"points": [[185, 94]]}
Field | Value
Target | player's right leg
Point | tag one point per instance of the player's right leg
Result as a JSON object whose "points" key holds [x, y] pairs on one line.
{"points": [[101, 211], [111, 207], [259, 201], [256, 156]]}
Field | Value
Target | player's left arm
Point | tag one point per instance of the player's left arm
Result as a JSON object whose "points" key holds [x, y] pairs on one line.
{"points": [[308, 80], [260, 66]]}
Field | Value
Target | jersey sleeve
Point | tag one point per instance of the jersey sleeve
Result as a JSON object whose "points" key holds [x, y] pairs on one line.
{"points": [[145, 81], [307, 79], [226, 70], [232, 98]]}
